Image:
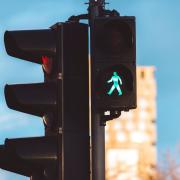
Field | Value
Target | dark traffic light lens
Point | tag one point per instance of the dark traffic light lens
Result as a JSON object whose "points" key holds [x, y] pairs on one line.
{"points": [[114, 38]]}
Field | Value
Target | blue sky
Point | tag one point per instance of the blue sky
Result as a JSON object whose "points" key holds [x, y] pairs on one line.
{"points": [[158, 44]]}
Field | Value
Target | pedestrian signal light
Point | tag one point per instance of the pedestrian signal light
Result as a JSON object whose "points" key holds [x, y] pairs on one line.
{"points": [[114, 63], [114, 83], [116, 80]]}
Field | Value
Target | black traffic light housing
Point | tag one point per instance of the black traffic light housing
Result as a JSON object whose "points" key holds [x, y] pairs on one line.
{"points": [[61, 100], [114, 63]]}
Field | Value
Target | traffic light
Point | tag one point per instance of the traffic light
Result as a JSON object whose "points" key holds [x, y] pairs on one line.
{"points": [[61, 100], [113, 49]]}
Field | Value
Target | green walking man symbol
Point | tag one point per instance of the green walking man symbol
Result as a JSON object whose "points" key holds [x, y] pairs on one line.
{"points": [[116, 80]]}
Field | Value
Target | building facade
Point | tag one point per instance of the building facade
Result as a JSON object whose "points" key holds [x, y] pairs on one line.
{"points": [[131, 139]]}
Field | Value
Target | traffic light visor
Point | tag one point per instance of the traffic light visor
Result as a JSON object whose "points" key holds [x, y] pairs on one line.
{"points": [[35, 99], [30, 45]]}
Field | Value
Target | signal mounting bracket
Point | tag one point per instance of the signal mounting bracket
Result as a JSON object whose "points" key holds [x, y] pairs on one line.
{"points": [[100, 5], [109, 115]]}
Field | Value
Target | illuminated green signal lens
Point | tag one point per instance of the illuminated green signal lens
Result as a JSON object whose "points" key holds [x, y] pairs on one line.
{"points": [[116, 80], [114, 83]]}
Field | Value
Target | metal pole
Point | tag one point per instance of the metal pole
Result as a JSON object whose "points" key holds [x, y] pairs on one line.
{"points": [[98, 148], [97, 130], [95, 7]]}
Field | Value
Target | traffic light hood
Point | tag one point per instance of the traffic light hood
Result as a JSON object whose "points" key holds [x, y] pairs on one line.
{"points": [[35, 99], [31, 45], [113, 46], [27, 156]]}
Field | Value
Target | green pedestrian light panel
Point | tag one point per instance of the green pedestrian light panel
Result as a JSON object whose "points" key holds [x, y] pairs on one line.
{"points": [[116, 80], [113, 45]]}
